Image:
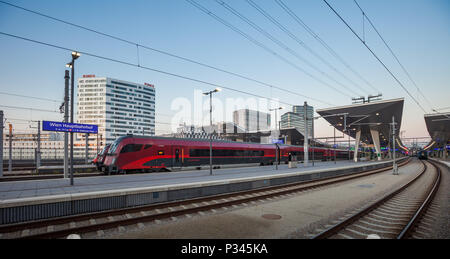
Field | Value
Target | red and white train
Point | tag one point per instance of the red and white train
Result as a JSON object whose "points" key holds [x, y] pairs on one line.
{"points": [[141, 154]]}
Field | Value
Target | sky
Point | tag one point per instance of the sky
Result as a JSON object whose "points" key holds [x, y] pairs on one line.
{"points": [[416, 30]]}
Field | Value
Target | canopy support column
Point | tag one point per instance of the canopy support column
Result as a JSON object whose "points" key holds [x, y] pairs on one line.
{"points": [[358, 138], [376, 141]]}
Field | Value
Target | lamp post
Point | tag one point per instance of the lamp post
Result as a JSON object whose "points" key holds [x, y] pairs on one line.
{"points": [[66, 119], [276, 123], [306, 140], [75, 55], [277, 128], [210, 125]]}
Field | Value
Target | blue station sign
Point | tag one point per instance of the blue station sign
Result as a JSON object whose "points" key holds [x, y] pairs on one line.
{"points": [[69, 127]]}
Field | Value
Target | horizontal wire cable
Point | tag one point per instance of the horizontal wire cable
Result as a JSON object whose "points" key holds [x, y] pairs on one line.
{"points": [[125, 63], [31, 97], [304, 45], [373, 53], [164, 53], [393, 54], [142, 67], [297, 19], [283, 46], [26, 108], [203, 9]]}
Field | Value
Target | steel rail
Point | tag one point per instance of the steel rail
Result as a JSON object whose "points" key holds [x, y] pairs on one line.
{"points": [[78, 218], [333, 230], [423, 208]]}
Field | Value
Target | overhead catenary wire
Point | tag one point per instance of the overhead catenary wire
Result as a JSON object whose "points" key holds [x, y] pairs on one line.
{"points": [[51, 111], [273, 39], [56, 101], [143, 67], [303, 44], [260, 44], [393, 54], [373, 53], [308, 29], [138, 45], [31, 97], [282, 45], [444, 108], [28, 108]]}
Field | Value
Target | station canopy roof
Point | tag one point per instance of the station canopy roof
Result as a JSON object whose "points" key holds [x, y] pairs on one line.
{"points": [[438, 126], [376, 115]]}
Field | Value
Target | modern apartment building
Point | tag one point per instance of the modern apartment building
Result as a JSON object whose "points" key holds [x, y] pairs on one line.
{"points": [[118, 107]]}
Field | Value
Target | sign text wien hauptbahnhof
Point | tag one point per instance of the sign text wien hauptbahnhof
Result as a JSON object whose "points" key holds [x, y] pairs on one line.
{"points": [[69, 127]]}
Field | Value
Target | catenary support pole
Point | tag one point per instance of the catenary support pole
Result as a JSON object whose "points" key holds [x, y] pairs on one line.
{"points": [[10, 149], [38, 153], [210, 134], [66, 119], [87, 147], [312, 135], [305, 142], [72, 97]]}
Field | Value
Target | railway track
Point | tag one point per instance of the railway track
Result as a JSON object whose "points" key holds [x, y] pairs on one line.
{"points": [[31, 177], [99, 222], [393, 216]]}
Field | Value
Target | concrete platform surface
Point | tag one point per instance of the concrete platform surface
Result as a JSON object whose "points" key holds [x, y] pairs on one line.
{"points": [[38, 189], [297, 213]]}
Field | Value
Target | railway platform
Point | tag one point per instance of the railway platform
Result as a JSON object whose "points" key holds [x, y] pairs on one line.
{"points": [[33, 200]]}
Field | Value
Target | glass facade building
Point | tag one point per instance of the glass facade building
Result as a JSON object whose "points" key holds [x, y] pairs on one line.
{"points": [[250, 120], [295, 119]]}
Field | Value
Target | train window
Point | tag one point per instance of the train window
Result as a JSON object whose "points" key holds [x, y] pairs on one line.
{"points": [[160, 152], [225, 152], [131, 148], [147, 146], [198, 152]]}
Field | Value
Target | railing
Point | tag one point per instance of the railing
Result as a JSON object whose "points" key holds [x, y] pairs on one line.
{"points": [[46, 153]]}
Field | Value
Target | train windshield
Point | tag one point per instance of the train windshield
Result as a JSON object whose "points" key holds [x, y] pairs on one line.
{"points": [[114, 145], [104, 150]]}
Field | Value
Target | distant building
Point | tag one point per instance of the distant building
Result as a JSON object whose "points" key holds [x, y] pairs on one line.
{"points": [[250, 120], [118, 107], [295, 119]]}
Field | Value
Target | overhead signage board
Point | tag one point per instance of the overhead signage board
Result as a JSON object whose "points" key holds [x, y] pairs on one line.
{"points": [[277, 141], [69, 127]]}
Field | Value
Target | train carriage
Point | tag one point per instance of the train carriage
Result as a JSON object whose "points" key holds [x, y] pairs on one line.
{"points": [[100, 158], [139, 153]]}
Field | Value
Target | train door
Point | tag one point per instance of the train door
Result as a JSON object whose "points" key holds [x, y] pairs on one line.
{"points": [[278, 154], [177, 158]]}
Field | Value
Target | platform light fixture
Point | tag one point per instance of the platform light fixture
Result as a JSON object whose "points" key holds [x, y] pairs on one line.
{"points": [[75, 55], [218, 89]]}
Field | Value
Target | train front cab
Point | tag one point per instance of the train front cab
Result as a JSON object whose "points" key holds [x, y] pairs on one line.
{"points": [[138, 154]]}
